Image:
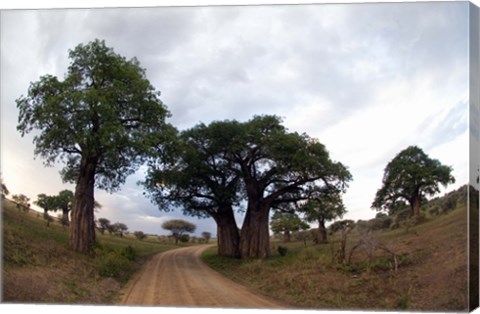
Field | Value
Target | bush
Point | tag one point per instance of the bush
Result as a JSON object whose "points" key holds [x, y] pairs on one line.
{"points": [[184, 238], [112, 264], [381, 223], [139, 235], [282, 250], [129, 253], [115, 263]]}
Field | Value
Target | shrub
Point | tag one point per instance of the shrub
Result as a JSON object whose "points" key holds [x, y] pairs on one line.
{"points": [[381, 223], [184, 238], [139, 235], [282, 250], [129, 253], [115, 263], [112, 264]]}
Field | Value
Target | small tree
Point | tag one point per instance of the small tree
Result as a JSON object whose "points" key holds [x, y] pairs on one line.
{"points": [[178, 228], [103, 225], [344, 226], [287, 223], [22, 201], [411, 176], [64, 202], [119, 229], [321, 209], [139, 235], [206, 236]]}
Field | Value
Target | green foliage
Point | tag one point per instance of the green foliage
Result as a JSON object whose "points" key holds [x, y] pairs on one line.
{"points": [[101, 121], [287, 222], [103, 225], [64, 200], [139, 235], [184, 238], [189, 172], [46, 202], [129, 252], [119, 228], [325, 207], [220, 165], [104, 110], [114, 263], [411, 176], [179, 227]]}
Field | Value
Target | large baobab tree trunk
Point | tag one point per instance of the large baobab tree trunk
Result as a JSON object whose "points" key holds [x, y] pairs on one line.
{"points": [[228, 236], [82, 228], [254, 236]]}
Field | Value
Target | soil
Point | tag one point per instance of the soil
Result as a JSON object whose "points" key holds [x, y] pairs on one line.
{"points": [[179, 278]]}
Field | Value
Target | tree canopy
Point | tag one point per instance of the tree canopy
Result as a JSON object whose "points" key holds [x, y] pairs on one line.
{"points": [[101, 121], [410, 176], [22, 201], [286, 223], [322, 208], [195, 177], [46, 202], [250, 166], [178, 227], [276, 167]]}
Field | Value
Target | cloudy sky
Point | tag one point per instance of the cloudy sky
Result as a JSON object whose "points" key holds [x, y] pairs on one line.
{"points": [[367, 80]]}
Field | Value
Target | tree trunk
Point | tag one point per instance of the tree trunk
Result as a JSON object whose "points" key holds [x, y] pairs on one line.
{"points": [[82, 230], [415, 205], [286, 236], [322, 232], [65, 216], [228, 236], [254, 236]]}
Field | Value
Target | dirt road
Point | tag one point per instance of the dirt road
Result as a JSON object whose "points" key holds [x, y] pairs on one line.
{"points": [[179, 278]]}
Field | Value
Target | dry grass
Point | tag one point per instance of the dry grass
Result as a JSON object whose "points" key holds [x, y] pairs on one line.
{"points": [[39, 268], [432, 274]]}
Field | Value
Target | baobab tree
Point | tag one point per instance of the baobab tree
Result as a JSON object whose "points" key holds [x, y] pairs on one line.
{"points": [[411, 176], [192, 174], [101, 120], [228, 165]]}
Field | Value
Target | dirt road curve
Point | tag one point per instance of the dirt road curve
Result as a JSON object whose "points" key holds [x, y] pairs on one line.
{"points": [[179, 278]]}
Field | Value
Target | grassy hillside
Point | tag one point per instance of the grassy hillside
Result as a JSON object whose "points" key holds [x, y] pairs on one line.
{"points": [[38, 267], [431, 275]]}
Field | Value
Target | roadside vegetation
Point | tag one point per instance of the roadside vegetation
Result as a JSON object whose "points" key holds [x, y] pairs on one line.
{"points": [[38, 266], [430, 272]]}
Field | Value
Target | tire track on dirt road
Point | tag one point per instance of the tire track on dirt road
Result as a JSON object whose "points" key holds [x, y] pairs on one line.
{"points": [[179, 278]]}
